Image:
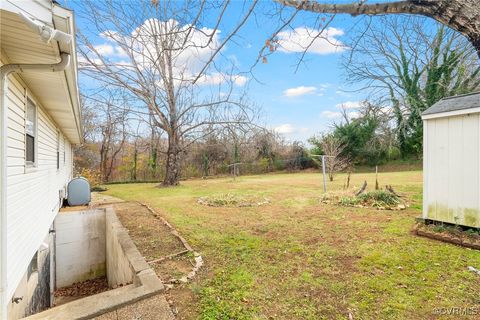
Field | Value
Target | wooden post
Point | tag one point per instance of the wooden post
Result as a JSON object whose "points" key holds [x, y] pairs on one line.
{"points": [[376, 178]]}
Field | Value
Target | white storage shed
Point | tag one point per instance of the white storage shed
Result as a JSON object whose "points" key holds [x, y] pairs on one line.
{"points": [[451, 161]]}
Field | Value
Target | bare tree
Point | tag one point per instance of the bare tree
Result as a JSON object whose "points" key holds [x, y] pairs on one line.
{"points": [[460, 15], [112, 121], [333, 147], [411, 66], [85, 155], [160, 52]]}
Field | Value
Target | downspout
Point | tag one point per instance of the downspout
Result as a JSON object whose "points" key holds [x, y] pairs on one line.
{"points": [[47, 34]]}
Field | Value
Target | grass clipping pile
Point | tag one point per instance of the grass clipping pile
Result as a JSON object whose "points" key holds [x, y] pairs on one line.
{"points": [[379, 199], [233, 200]]}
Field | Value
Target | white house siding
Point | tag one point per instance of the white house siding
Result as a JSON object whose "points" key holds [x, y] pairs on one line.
{"points": [[451, 170], [32, 192]]}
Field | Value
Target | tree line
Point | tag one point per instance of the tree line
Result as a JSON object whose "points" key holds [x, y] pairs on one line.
{"points": [[404, 65], [166, 104]]}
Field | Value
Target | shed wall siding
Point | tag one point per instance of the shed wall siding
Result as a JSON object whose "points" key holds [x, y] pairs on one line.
{"points": [[32, 192], [451, 170]]}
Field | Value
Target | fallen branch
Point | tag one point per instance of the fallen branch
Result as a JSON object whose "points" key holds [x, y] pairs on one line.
{"points": [[390, 189], [188, 248], [170, 256]]}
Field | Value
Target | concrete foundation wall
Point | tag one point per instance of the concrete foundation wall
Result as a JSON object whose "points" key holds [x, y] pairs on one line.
{"points": [[33, 291], [80, 246]]}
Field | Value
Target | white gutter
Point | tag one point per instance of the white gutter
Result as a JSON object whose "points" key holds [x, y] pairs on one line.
{"points": [[47, 34]]}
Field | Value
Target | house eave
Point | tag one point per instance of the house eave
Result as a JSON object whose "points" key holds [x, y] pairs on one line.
{"points": [[454, 113], [58, 92]]}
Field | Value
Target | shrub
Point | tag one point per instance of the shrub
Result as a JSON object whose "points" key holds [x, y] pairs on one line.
{"points": [[380, 198], [348, 201], [93, 176], [376, 199]]}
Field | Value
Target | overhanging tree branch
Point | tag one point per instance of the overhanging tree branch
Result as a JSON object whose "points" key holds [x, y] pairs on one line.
{"points": [[460, 15]]}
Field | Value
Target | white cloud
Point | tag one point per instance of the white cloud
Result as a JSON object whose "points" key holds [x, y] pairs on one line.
{"points": [[349, 105], [288, 128], [110, 51], [240, 80], [108, 34], [195, 48], [219, 78], [353, 114], [331, 114], [120, 52], [188, 59], [301, 38], [285, 128], [212, 79], [105, 49], [299, 91], [324, 86]]}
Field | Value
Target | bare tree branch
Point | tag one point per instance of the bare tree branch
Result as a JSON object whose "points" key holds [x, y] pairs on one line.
{"points": [[460, 15]]}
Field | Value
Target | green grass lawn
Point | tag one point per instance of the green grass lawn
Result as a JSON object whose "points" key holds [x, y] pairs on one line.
{"points": [[297, 258]]}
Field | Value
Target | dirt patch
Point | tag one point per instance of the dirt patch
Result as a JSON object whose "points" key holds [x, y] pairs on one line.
{"points": [[173, 268], [80, 289], [152, 238], [163, 251]]}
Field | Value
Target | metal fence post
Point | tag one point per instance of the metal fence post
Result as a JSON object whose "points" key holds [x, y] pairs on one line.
{"points": [[324, 178]]}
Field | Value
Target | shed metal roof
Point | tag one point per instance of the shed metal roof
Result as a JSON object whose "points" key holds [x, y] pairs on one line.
{"points": [[455, 103]]}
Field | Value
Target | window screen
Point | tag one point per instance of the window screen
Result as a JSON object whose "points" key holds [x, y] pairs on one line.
{"points": [[30, 131]]}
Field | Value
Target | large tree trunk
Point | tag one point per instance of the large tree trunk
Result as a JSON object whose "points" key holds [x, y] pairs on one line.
{"points": [[460, 15], [172, 174], [103, 163]]}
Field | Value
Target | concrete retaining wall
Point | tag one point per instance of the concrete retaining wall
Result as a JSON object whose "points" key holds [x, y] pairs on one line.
{"points": [[125, 264], [80, 246], [119, 270]]}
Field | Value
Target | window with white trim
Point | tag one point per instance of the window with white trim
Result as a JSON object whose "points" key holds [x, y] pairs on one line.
{"points": [[30, 132]]}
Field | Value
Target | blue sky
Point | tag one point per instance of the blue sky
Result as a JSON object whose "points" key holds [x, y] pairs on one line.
{"points": [[297, 103]]}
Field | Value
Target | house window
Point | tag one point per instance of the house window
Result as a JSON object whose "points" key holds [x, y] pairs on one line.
{"points": [[31, 131]]}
